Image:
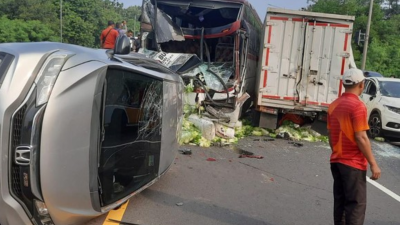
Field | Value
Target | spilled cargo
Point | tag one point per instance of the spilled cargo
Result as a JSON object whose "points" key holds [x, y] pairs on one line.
{"points": [[213, 45]]}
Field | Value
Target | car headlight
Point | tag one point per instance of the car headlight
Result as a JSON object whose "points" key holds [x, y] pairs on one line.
{"points": [[393, 109], [48, 74]]}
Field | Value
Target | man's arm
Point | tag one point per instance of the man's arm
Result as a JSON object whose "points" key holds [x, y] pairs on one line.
{"points": [[365, 147]]}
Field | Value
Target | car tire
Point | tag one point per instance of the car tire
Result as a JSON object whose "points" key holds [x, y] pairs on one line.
{"points": [[375, 125]]}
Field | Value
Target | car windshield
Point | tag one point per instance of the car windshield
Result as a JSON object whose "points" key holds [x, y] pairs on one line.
{"points": [[390, 88]]}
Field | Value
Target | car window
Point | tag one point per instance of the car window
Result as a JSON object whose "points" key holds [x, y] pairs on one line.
{"points": [[130, 151], [390, 89], [372, 89], [366, 86], [5, 62]]}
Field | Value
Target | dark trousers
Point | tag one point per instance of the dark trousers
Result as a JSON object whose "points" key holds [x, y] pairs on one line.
{"points": [[350, 194]]}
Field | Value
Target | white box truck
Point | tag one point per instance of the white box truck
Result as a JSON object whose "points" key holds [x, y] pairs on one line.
{"points": [[303, 56]]}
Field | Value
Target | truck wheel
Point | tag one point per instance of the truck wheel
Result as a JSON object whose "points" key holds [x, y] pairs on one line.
{"points": [[375, 125]]}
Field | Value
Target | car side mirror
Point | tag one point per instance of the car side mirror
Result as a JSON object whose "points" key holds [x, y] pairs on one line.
{"points": [[122, 45]]}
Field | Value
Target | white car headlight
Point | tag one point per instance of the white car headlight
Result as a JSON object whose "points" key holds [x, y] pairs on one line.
{"points": [[393, 109], [48, 74]]}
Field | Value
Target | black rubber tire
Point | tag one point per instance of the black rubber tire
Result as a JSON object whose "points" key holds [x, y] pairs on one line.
{"points": [[375, 125]]}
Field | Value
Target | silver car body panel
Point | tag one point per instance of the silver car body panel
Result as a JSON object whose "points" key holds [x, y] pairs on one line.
{"points": [[70, 133]]}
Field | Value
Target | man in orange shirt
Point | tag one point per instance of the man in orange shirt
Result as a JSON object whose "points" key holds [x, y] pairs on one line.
{"points": [[351, 150], [108, 36]]}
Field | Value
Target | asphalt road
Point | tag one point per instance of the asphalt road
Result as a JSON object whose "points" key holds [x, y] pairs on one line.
{"points": [[290, 185]]}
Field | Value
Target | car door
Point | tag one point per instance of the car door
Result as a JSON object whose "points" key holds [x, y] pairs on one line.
{"points": [[369, 95]]}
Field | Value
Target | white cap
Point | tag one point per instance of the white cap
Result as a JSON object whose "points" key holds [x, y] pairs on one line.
{"points": [[352, 76]]}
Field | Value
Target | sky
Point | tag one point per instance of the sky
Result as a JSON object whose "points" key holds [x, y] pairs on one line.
{"points": [[260, 5]]}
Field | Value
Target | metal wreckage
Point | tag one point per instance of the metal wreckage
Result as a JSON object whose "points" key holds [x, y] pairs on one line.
{"points": [[214, 46], [207, 43]]}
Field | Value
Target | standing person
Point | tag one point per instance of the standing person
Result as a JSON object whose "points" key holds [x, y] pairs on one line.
{"points": [[351, 150], [108, 36], [137, 43], [124, 28], [129, 34]]}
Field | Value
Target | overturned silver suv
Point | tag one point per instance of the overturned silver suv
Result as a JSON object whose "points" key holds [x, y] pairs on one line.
{"points": [[81, 130]]}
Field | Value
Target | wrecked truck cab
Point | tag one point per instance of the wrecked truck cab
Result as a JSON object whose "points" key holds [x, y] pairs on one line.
{"points": [[212, 44], [81, 130]]}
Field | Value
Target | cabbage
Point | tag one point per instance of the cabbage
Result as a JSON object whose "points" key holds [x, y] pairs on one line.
{"points": [[257, 133], [203, 142]]}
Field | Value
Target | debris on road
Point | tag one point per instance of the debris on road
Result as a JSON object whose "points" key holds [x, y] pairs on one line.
{"points": [[211, 159], [204, 132], [185, 151], [381, 139], [251, 156], [296, 144], [179, 203]]}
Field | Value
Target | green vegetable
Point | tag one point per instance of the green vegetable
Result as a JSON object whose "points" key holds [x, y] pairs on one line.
{"points": [[380, 139], [189, 87], [257, 133]]}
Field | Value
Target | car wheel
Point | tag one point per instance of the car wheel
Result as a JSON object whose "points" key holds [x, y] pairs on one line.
{"points": [[375, 125]]}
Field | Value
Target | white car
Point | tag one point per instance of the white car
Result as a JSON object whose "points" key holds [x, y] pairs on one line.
{"points": [[382, 98]]}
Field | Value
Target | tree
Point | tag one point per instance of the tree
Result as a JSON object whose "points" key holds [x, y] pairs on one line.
{"points": [[384, 47]]}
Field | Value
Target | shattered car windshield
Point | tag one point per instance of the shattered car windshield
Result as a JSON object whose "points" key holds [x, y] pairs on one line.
{"points": [[390, 89]]}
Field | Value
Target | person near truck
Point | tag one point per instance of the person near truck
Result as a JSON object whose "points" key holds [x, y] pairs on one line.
{"points": [[351, 151], [137, 44], [108, 36]]}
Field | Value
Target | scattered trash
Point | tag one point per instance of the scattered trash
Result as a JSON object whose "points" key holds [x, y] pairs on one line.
{"points": [[283, 135], [381, 139], [211, 159], [272, 179], [224, 131], [179, 203], [185, 151], [251, 156]]}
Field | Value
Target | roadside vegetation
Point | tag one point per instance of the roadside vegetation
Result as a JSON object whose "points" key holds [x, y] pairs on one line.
{"points": [[384, 46], [82, 20]]}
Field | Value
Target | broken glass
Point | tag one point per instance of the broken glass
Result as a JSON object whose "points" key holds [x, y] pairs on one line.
{"points": [[224, 71], [130, 152], [165, 29]]}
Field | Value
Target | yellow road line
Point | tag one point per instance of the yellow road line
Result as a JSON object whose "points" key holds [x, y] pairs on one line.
{"points": [[116, 214]]}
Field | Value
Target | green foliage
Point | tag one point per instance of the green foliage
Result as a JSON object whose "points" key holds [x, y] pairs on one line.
{"points": [[82, 20], [21, 31], [384, 46]]}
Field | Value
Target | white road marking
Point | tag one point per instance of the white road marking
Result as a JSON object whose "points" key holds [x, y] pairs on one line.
{"points": [[384, 189]]}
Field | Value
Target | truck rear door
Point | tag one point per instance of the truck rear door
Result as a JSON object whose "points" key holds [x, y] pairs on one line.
{"points": [[326, 57], [303, 59]]}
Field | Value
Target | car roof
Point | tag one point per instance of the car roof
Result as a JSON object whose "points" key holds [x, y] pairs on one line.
{"points": [[383, 79], [372, 74]]}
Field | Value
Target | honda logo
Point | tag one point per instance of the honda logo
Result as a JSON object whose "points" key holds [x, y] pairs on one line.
{"points": [[23, 155]]}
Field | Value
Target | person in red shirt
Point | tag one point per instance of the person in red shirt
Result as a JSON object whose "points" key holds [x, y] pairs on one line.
{"points": [[351, 150], [108, 36]]}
